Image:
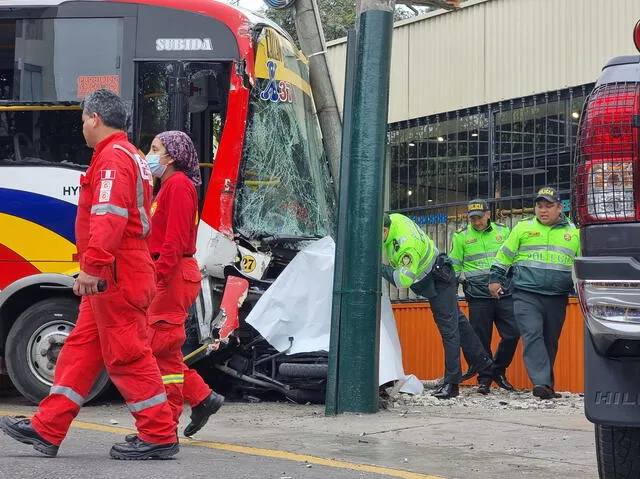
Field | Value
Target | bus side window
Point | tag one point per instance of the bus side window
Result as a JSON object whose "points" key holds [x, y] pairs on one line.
{"points": [[48, 135]]}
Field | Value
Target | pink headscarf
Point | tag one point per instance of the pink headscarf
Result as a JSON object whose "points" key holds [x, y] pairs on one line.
{"points": [[181, 149]]}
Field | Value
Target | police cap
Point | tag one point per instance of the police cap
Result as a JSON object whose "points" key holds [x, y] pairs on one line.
{"points": [[549, 194], [477, 208]]}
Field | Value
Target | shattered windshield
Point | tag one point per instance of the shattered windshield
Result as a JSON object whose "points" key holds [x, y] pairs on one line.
{"points": [[284, 186]]}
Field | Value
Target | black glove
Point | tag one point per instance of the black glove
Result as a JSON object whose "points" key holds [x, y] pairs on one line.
{"points": [[443, 270], [387, 273]]}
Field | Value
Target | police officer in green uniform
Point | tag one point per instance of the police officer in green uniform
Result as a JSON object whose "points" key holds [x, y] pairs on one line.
{"points": [[472, 252], [541, 250], [416, 263]]}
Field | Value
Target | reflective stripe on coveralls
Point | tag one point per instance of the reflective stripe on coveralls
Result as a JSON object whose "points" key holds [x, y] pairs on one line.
{"points": [[173, 379], [144, 219], [68, 393], [105, 208], [147, 403]]}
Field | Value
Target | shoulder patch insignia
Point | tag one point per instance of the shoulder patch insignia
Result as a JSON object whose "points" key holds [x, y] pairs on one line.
{"points": [[499, 238], [406, 260], [104, 196], [471, 240], [567, 237]]}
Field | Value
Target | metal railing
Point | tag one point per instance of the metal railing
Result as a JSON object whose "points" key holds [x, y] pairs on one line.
{"points": [[501, 152]]}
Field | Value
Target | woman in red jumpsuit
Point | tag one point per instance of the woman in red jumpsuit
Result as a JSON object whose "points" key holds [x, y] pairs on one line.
{"points": [[174, 220]]}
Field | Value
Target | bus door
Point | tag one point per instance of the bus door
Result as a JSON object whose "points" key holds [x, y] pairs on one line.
{"points": [[185, 96], [207, 93]]}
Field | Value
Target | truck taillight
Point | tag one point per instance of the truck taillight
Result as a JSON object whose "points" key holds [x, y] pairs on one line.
{"points": [[607, 156], [612, 300]]}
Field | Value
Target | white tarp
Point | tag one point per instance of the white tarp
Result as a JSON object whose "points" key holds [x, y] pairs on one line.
{"points": [[298, 305]]}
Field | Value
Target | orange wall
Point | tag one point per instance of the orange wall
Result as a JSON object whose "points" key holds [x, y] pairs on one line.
{"points": [[422, 352]]}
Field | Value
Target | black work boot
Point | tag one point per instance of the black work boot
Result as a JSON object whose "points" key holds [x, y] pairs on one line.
{"points": [[501, 380], [446, 391], [200, 413], [484, 388], [543, 391], [133, 437], [21, 429], [139, 450]]}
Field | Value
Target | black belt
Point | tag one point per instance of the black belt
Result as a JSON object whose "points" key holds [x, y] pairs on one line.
{"points": [[156, 256]]}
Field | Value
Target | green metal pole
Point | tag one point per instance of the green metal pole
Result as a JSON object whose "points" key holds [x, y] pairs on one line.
{"points": [[359, 325], [331, 400]]}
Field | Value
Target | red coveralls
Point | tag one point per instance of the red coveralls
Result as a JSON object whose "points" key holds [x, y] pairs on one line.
{"points": [[112, 227], [173, 243]]}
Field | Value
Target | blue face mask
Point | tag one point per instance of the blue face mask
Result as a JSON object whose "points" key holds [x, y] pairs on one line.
{"points": [[156, 168]]}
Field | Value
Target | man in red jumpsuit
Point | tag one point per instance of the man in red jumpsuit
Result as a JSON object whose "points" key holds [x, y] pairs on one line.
{"points": [[112, 227]]}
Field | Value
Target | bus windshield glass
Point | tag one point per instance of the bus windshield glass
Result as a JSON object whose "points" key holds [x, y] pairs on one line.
{"points": [[285, 186]]}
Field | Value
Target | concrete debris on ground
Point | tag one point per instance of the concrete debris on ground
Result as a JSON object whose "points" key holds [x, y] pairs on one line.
{"points": [[569, 403]]}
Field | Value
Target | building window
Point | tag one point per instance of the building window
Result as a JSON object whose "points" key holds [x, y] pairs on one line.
{"points": [[443, 159], [502, 152]]}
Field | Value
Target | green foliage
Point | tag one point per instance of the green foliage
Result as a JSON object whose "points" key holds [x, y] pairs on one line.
{"points": [[337, 17]]}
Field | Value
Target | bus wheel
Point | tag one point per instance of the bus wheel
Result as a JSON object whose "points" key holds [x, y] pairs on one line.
{"points": [[34, 343], [618, 451], [303, 370]]}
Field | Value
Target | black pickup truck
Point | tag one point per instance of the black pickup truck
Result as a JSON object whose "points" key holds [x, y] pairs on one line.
{"points": [[606, 206]]}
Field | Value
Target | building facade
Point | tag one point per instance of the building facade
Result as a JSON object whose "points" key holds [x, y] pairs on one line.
{"points": [[485, 102]]}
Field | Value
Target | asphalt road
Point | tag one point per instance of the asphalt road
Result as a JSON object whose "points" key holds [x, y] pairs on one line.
{"points": [[85, 455], [454, 440]]}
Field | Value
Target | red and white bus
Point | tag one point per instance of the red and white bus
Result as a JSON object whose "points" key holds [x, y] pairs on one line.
{"points": [[232, 80]]}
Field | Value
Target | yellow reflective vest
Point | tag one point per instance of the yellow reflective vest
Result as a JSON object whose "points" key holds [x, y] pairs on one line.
{"points": [[410, 251], [472, 254], [542, 256]]}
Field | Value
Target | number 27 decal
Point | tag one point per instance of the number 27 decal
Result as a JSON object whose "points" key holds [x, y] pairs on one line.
{"points": [[248, 263]]}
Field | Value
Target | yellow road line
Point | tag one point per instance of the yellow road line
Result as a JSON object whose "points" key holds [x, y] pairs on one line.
{"points": [[256, 451]]}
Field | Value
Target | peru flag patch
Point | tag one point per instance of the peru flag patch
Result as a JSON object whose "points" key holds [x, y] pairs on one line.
{"points": [[108, 174]]}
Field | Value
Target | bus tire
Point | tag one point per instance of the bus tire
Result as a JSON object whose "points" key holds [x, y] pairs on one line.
{"points": [[303, 370], [33, 345], [618, 451]]}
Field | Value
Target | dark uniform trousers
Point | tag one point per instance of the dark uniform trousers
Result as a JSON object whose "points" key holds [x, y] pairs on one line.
{"points": [[454, 328], [540, 318], [483, 314]]}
